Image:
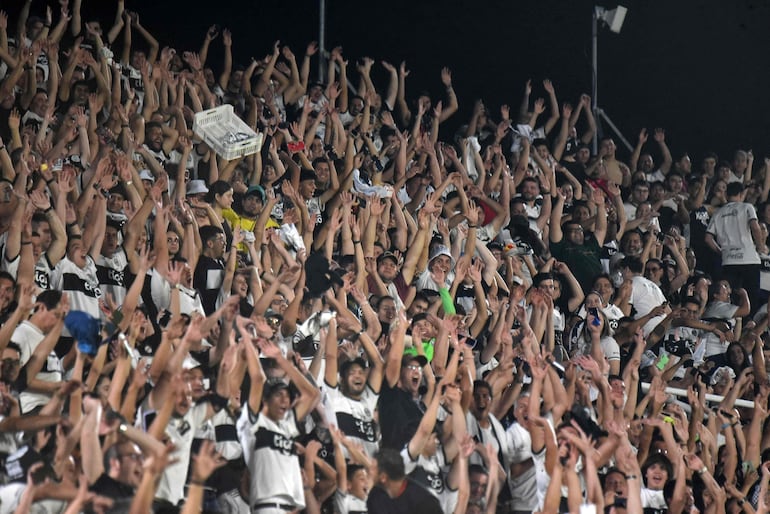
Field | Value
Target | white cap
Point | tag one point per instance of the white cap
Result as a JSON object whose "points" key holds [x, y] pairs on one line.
{"points": [[196, 187], [146, 175]]}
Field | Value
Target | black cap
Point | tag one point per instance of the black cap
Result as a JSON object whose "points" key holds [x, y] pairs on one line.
{"points": [[407, 358], [346, 365]]}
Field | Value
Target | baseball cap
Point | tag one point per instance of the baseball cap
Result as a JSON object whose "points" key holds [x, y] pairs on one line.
{"points": [[406, 359], [256, 191], [387, 255], [346, 365], [146, 175]]}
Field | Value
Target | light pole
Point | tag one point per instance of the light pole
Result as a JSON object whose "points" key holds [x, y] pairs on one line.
{"points": [[614, 19]]}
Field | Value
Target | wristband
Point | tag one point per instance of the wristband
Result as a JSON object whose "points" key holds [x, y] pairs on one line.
{"points": [[26, 242], [741, 501], [702, 470], [446, 301], [49, 209], [200, 483], [473, 226], [631, 477], [47, 182], [356, 242], [355, 337], [105, 193]]}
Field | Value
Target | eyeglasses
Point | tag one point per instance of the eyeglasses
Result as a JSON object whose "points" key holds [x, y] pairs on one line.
{"points": [[413, 367], [13, 362], [273, 322], [133, 456]]}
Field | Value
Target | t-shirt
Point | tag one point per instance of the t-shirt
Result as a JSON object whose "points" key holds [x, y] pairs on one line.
{"points": [[645, 296], [583, 261], [208, 278], [181, 430], [413, 499], [730, 227], [345, 503], [111, 274], [29, 337], [400, 416], [107, 486], [271, 457], [356, 417]]}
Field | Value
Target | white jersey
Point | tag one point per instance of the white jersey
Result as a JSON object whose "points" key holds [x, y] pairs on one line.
{"points": [[272, 460], [111, 272], [345, 503], [80, 284], [43, 270], [356, 417], [189, 299], [181, 431], [29, 337], [430, 473], [730, 227]]}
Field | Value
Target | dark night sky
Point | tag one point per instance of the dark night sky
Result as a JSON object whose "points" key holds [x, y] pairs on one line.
{"points": [[697, 68]]}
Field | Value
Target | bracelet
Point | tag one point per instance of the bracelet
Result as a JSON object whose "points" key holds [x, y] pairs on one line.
{"points": [[124, 125], [2, 147], [129, 182], [356, 242], [47, 182], [631, 477], [724, 426], [200, 483], [49, 209], [105, 193], [473, 226], [26, 242], [702, 470], [741, 501]]}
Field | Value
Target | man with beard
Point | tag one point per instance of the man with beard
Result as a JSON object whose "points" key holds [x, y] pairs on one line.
{"points": [[160, 143], [579, 251], [353, 394], [537, 206]]}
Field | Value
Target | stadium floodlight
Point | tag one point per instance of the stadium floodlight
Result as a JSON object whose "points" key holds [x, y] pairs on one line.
{"points": [[614, 19]]}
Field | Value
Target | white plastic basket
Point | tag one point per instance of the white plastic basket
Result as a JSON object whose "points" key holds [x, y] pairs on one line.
{"points": [[226, 133]]}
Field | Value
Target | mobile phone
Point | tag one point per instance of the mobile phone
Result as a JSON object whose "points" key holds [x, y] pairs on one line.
{"points": [[58, 164], [662, 362], [593, 311]]}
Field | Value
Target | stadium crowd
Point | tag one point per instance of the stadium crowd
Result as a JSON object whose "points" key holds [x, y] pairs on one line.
{"points": [[367, 314]]}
